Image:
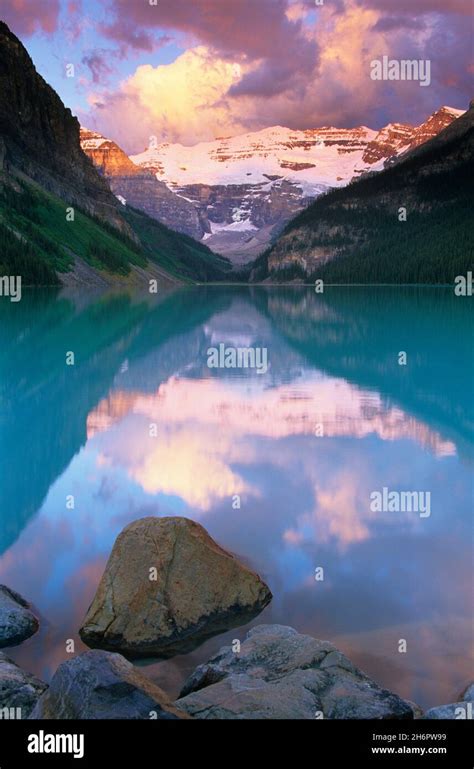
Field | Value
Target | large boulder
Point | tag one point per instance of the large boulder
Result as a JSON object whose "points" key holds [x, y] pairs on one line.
{"points": [[19, 690], [281, 674], [17, 622], [166, 588], [101, 685]]}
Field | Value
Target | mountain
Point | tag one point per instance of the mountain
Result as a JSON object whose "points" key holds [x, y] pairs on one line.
{"points": [[139, 187], [44, 174], [410, 223], [39, 137], [397, 138], [247, 188]]}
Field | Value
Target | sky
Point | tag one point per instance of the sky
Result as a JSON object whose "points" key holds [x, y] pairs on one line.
{"points": [[188, 71]]}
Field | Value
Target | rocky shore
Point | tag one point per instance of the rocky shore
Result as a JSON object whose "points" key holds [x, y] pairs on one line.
{"points": [[281, 674], [166, 588]]}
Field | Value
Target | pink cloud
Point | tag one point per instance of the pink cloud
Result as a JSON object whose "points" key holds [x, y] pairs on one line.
{"points": [[98, 62], [256, 29], [24, 17], [389, 23], [243, 29], [417, 7]]}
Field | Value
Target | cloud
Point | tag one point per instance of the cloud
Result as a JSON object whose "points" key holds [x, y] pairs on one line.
{"points": [[25, 18], [98, 61], [184, 101], [250, 65], [253, 29], [129, 35], [389, 23], [253, 32], [418, 7]]}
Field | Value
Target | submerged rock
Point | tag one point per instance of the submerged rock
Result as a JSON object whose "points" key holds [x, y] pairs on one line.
{"points": [[101, 685], [17, 622], [166, 588], [19, 690], [281, 674]]}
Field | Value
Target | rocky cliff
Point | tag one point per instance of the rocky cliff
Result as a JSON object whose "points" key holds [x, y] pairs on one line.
{"points": [[398, 138], [139, 187], [39, 137]]}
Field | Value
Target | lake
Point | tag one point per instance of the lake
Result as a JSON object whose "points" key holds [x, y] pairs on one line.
{"points": [[365, 389]]}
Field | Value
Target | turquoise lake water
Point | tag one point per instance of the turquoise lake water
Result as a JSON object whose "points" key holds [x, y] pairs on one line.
{"points": [[302, 447]]}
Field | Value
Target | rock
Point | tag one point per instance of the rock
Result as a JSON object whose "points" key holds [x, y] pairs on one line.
{"points": [[455, 710], [17, 622], [468, 694], [417, 711], [140, 186], [19, 691], [100, 685], [281, 674], [197, 590]]}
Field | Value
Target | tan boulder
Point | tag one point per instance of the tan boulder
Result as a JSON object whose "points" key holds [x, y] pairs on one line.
{"points": [[166, 588]]}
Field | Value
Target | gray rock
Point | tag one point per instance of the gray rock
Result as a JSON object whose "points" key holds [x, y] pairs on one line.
{"points": [[196, 590], [17, 622], [455, 710], [281, 674], [19, 690], [101, 685], [468, 694]]}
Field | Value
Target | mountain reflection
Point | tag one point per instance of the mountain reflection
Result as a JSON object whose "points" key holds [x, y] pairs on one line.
{"points": [[302, 446]]}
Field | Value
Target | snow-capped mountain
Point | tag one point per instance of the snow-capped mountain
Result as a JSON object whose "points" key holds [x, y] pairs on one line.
{"points": [[370, 243], [244, 189], [312, 158], [139, 187]]}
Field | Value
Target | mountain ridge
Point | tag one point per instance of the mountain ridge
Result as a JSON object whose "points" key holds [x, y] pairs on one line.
{"points": [[244, 189], [409, 223]]}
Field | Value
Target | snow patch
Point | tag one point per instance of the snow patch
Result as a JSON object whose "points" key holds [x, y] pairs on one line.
{"points": [[236, 226]]}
